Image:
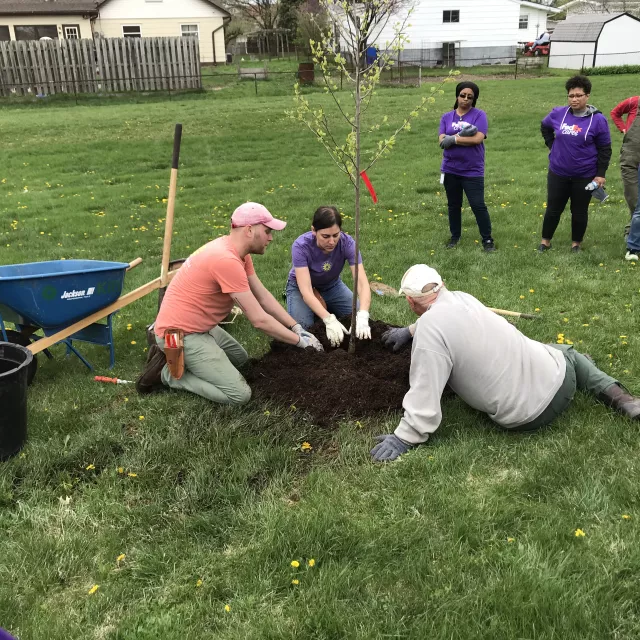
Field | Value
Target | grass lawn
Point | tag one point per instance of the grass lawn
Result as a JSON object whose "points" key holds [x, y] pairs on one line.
{"points": [[187, 516]]}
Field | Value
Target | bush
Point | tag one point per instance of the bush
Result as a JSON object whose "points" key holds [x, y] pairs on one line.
{"points": [[612, 71]]}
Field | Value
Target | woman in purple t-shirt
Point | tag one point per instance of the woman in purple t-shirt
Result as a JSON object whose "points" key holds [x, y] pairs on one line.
{"points": [[580, 150], [314, 287], [462, 134]]}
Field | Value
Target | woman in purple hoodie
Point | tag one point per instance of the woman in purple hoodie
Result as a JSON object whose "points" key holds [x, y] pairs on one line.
{"points": [[462, 134], [580, 143]]}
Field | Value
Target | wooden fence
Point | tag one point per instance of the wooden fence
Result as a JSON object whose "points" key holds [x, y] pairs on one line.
{"points": [[46, 67]]}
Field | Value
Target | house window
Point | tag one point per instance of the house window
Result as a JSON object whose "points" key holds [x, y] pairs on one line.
{"points": [[524, 22], [189, 30], [5, 36], [451, 16], [36, 32], [132, 31], [71, 31]]}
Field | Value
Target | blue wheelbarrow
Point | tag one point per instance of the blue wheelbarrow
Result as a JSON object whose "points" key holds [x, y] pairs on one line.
{"points": [[58, 297]]}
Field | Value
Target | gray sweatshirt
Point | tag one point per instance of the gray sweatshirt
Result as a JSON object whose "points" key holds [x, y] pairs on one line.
{"points": [[491, 365]]}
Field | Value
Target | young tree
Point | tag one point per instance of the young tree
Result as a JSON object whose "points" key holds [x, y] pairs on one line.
{"points": [[359, 24]]}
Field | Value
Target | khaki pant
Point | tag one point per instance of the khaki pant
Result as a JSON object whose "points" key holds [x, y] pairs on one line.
{"points": [[210, 361], [629, 163]]}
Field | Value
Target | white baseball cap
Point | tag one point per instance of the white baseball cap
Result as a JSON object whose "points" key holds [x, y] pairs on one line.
{"points": [[416, 278]]}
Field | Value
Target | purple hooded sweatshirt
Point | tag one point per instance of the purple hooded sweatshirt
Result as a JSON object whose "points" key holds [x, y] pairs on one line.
{"points": [[580, 145]]}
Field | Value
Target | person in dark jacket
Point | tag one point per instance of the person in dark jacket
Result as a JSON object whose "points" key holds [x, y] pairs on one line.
{"points": [[580, 151], [629, 151]]}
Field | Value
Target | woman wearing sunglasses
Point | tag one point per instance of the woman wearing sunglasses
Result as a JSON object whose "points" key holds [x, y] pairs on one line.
{"points": [[580, 150], [462, 134]]}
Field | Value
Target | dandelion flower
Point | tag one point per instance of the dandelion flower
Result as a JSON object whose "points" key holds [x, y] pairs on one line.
{"points": [[120, 558], [305, 446], [227, 608], [531, 290], [579, 533], [521, 297], [267, 413], [94, 589], [132, 475], [199, 583], [295, 564], [120, 469], [626, 516], [510, 540], [89, 467], [133, 342], [140, 417], [312, 563]]}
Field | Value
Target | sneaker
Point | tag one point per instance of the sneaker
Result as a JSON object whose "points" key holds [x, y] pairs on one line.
{"points": [[452, 243], [632, 254], [488, 245], [543, 247], [576, 248], [150, 379]]}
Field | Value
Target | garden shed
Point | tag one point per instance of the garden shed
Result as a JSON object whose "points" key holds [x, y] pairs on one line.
{"points": [[595, 40]]}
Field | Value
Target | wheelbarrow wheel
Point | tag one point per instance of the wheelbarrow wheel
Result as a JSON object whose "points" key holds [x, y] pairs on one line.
{"points": [[18, 338]]}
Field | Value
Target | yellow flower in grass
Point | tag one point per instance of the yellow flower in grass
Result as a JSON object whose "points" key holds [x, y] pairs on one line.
{"points": [[132, 475], [90, 467], [295, 582], [521, 297], [93, 589], [531, 290], [312, 563], [199, 583], [306, 446], [295, 564], [120, 558], [510, 540], [626, 516], [227, 608], [579, 533]]}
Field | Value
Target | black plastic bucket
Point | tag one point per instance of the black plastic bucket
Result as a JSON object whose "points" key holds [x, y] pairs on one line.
{"points": [[14, 366]]}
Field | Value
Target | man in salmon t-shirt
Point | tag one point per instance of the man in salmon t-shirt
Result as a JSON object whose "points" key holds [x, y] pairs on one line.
{"points": [[202, 294]]}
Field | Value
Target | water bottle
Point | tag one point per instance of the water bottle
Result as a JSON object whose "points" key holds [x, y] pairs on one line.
{"points": [[592, 186]]}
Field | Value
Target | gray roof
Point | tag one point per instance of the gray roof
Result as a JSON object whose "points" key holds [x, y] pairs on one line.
{"points": [[584, 27], [47, 7]]}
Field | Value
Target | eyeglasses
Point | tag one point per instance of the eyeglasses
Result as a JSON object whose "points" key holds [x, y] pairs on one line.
{"points": [[571, 96], [466, 96]]}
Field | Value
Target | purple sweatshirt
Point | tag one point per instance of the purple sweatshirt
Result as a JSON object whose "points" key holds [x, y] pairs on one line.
{"points": [[580, 145], [324, 269], [464, 161]]}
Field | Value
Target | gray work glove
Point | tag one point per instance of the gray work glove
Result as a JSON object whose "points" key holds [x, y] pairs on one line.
{"points": [[447, 141], [307, 340], [303, 333], [469, 131], [396, 338], [389, 448]]}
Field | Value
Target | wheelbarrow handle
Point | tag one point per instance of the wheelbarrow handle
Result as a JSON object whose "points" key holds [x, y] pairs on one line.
{"points": [[134, 263]]}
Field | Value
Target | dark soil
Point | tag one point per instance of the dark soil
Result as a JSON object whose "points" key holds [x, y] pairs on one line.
{"points": [[333, 384]]}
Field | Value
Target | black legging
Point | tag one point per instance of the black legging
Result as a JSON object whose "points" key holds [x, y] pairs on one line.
{"points": [[559, 190]]}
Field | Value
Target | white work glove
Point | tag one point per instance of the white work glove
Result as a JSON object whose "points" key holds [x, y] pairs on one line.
{"points": [[335, 331], [363, 331], [303, 333]]}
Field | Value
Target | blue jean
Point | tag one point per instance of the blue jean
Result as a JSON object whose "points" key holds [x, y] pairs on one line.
{"points": [[473, 188], [633, 241], [337, 295]]}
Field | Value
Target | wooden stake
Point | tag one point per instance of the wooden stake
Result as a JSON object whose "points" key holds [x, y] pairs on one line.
{"points": [[171, 203]]}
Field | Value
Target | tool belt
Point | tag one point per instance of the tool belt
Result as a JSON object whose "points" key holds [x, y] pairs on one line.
{"points": [[174, 351]]}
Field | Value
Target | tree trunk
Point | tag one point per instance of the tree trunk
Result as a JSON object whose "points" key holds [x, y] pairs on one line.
{"points": [[354, 308]]}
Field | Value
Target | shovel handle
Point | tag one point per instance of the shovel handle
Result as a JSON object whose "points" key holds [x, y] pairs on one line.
{"points": [[134, 263]]}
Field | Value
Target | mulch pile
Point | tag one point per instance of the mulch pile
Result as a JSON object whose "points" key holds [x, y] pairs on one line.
{"points": [[333, 384]]}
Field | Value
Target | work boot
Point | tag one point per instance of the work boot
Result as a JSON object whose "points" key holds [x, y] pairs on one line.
{"points": [[150, 379], [621, 400]]}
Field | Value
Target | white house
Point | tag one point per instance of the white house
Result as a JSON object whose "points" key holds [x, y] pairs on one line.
{"points": [[595, 40], [468, 32], [163, 18]]}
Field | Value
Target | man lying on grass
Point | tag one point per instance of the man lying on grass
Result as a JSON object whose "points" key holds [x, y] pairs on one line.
{"points": [[201, 295], [519, 383]]}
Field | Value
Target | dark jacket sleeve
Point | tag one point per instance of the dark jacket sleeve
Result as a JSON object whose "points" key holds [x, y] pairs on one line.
{"points": [[547, 133], [604, 158], [603, 146]]}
